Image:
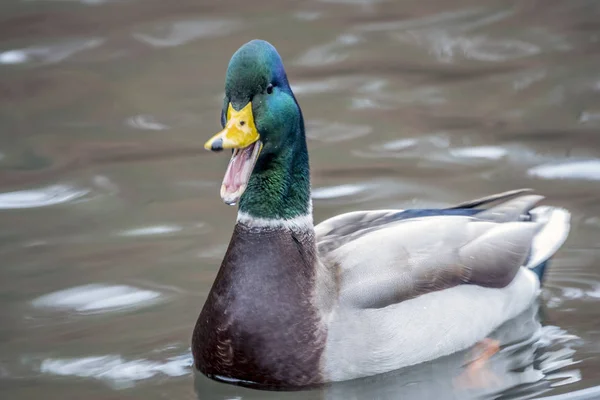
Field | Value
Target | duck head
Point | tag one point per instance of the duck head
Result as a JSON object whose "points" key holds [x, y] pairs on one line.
{"points": [[260, 115]]}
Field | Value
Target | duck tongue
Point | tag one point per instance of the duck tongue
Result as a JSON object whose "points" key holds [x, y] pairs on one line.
{"points": [[238, 172]]}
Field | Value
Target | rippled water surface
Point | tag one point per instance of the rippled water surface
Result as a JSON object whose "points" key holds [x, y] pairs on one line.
{"points": [[112, 229]]}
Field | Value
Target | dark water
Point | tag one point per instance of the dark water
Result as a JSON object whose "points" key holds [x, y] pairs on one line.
{"points": [[111, 226]]}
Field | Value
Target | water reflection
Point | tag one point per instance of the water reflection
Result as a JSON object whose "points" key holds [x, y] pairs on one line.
{"points": [[151, 230], [584, 288], [528, 78], [182, 32], [159, 230], [486, 152], [427, 144], [308, 15], [448, 49], [49, 54], [42, 197], [399, 145], [456, 19], [116, 370], [329, 53], [98, 298], [337, 191], [334, 131], [213, 252], [589, 117], [360, 192], [586, 169], [145, 122], [328, 85]]}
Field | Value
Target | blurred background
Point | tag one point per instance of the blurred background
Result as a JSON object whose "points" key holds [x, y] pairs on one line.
{"points": [[111, 224]]}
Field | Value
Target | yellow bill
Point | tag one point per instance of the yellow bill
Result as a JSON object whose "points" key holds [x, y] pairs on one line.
{"points": [[241, 135]]}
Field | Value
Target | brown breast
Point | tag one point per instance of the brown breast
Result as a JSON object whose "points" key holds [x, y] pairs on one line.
{"points": [[258, 325]]}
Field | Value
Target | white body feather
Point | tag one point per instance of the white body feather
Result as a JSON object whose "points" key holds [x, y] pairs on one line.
{"points": [[372, 341], [369, 341]]}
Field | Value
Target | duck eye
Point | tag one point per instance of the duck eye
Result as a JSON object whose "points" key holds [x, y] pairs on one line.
{"points": [[270, 88]]}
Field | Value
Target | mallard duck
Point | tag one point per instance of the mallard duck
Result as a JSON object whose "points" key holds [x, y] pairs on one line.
{"points": [[359, 294]]}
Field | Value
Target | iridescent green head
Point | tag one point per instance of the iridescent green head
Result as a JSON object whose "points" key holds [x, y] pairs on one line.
{"points": [[263, 125]]}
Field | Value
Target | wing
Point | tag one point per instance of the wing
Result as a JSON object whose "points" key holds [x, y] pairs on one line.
{"points": [[341, 229], [388, 256]]}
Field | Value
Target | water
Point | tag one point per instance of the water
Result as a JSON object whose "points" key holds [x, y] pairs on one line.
{"points": [[111, 225]]}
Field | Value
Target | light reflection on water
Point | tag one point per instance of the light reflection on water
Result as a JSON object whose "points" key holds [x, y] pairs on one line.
{"points": [[182, 32], [151, 230], [336, 191], [115, 370], [146, 122], [334, 132], [407, 104], [49, 54], [587, 169], [487, 152], [42, 197], [97, 298]]}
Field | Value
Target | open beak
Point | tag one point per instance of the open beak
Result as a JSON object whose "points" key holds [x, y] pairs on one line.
{"points": [[241, 135]]}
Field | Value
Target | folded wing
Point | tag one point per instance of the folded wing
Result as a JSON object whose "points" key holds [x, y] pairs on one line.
{"points": [[388, 256]]}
